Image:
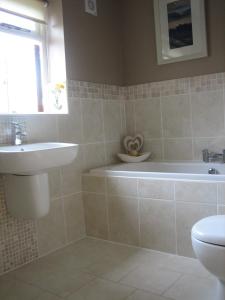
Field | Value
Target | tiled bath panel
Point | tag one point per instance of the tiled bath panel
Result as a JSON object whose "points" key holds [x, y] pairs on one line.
{"points": [[93, 269], [90, 106], [149, 213]]}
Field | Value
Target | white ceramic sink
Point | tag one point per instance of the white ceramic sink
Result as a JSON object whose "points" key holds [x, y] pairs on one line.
{"points": [[31, 159]]}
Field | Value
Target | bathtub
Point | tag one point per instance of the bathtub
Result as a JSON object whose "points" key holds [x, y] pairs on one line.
{"points": [[164, 170]]}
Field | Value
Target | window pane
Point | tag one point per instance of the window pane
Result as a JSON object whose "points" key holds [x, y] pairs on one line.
{"points": [[18, 55]]}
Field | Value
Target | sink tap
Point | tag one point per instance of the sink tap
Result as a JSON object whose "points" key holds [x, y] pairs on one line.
{"points": [[17, 134], [213, 156]]}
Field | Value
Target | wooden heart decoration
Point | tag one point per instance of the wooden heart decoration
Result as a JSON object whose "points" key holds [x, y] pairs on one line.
{"points": [[133, 144]]}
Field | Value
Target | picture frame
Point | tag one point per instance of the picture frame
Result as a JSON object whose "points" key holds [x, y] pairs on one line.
{"points": [[180, 30]]}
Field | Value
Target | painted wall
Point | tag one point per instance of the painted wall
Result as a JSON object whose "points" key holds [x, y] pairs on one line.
{"points": [[93, 44], [140, 65]]}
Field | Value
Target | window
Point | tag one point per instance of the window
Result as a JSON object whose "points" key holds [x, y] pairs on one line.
{"points": [[22, 67], [26, 83]]}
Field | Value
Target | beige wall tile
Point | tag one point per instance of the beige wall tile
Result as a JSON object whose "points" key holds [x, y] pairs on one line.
{"points": [[176, 116], [123, 220], [51, 230], [95, 210], [54, 178], [178, 149], [199, 192], [70, 126], [122, 186], [74, 217], [112, 114], [213, 144], [221, 193], [148, 118], [154, 146], [94, 156], [156, 189], [221, 210], [92, 121], [111, 152], [71, 175], [157, 225], [187, 214], [96, 184], [130, 124], [208, 114]]}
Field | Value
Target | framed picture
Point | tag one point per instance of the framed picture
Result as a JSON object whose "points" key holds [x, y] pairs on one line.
{"points": [[180, 30]]}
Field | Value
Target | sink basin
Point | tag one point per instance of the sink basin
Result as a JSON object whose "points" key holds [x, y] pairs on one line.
{"points": [[29, 159]]}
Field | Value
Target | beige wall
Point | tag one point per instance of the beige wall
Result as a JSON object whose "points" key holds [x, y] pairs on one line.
{"points": [[93, 44], [140, 64]]}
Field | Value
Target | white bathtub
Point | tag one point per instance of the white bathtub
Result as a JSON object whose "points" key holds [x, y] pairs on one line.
{"points": [[164, 170]]}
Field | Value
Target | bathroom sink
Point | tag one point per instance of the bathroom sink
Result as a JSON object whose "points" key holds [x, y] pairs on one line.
{"points": [[29, 159]]}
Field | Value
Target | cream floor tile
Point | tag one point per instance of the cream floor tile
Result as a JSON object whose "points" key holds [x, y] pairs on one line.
{"points": [[47, 296], [111, 269], [142, 295], [63, 285], [193, 288], [11, 289], [100, 289], [186, 265], [156, 280]]}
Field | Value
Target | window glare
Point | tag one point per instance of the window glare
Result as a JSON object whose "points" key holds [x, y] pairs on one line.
{"points": [[18, 75]]}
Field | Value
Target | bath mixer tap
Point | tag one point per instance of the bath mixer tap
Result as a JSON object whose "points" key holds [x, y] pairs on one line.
{"points": [[17, 133], [213, 156]]}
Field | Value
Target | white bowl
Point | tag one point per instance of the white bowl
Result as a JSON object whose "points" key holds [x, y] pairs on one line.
{"points": [[133, 159]]}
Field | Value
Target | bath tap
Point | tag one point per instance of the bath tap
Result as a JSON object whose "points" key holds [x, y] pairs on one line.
{"points": [[213, 156], [17, 133]]}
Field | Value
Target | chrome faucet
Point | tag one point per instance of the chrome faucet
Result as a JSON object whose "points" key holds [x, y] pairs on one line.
{"points": [[17, 133], [212, 156]]}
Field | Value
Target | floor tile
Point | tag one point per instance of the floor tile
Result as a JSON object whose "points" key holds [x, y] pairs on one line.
{"points": [[47, 296], [11, 289], [63, 285], [155, 280], [100, 289], [193, 288], [141, 295]]}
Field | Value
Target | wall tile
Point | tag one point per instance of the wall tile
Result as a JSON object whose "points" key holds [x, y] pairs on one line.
{"points": [[155, 146], [112, 114], [221, 193], [157, 225], [187, 214], [70, 126], [130, 124], [94, 156], [111, 152], [213, 144], [176, 116], [93, 184], [96, 215], [148, 118], [122, 186], [178, 149], [92, 121], [74, 217], [221, 210], [156, 189], [208, 114], [198, 192], [123, 220], [51, 230]]}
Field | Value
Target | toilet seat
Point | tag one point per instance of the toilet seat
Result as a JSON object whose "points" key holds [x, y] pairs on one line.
{"points": [[210, 230]]}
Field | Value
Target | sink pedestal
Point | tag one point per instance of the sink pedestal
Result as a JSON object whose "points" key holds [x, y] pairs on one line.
{"points": [[27, 196]]}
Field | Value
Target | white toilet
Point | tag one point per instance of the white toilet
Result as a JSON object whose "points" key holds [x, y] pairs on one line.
{"points": [[208, 241]]}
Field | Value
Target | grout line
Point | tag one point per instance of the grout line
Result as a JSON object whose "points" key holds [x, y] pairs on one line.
{"points": [[175, 215]]}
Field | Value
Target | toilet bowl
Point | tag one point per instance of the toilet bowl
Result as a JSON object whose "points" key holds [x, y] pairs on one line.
{"points": [[208, 241]]}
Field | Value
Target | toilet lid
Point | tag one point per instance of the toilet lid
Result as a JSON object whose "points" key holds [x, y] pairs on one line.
{"points": [[210, 230]]}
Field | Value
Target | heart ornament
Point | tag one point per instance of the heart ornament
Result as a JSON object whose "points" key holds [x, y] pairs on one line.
{"points": [[134, 144]]}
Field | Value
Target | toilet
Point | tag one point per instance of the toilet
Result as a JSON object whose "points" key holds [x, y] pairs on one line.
{"points": [[208, 241]]}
